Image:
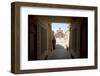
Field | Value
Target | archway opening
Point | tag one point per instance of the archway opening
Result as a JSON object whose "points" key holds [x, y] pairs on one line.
{"points": [[61, 32]]}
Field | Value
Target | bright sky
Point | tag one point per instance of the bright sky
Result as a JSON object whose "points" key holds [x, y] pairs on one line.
{"points": [[63, 26]]}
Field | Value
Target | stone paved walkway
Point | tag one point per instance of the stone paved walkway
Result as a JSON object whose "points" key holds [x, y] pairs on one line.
{"points": [[60, 53]]}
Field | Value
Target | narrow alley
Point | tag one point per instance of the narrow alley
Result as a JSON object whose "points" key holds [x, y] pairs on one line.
{"points": [[54, 37], [60, 52]]}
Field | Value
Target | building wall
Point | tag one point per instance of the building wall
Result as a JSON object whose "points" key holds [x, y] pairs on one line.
{"points": [[75, 38], [84, 39], [78, 38], [45, 45], [66, 38], [32, 37]]}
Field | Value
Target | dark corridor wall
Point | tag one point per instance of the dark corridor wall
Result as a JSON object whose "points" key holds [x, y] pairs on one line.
{"points": [[32, 37], [84, 38], [78, 44]]}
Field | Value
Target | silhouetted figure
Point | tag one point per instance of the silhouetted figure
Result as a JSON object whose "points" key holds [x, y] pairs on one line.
{"points": [[67, 49], [54, 43]]}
